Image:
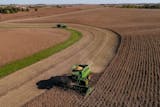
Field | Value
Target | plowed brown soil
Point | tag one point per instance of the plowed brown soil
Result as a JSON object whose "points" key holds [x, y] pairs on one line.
{"points": [[21, 42], [133, 77]]}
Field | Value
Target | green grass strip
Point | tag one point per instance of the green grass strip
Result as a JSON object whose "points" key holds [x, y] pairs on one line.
{"points": [[19, 64]]}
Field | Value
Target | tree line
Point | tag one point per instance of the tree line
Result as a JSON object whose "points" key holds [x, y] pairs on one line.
{"points": [[11, 9], [146, 6]]}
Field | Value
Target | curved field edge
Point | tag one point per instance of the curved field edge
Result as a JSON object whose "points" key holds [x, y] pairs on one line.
{"points": [[22, 63]]}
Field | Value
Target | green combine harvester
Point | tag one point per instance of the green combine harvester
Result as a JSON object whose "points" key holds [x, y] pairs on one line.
{"points": [[78, 80], [81, 74]]}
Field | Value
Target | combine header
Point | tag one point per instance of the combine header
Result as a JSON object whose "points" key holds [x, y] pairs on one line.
{"points": [[78, 80]]}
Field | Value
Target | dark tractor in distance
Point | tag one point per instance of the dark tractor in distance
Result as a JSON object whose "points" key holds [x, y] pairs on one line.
{"points": [[61, 26]]}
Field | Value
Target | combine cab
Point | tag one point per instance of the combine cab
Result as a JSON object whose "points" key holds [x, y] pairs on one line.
{"points": [[78, 80], [81, 74]]}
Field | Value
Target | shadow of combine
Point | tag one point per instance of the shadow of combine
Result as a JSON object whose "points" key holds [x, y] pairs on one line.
{"points": [[64, 82], [61, 81]]}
